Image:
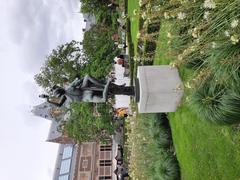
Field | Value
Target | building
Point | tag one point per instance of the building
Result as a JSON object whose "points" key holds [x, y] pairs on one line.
{"points": [[86, 161], [65, 162], [48, 111], [90, 20], [57, 115]]}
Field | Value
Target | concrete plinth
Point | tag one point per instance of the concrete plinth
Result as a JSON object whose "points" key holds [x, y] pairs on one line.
{"points": [[159, 89]]}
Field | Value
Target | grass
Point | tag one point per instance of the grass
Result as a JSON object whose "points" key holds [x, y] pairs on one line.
{"points": [[147, 159], [204, 150], [134, 20], [162, 55]]}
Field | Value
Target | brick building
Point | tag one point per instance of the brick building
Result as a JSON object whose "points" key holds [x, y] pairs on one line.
{"points": [[86, 161]]}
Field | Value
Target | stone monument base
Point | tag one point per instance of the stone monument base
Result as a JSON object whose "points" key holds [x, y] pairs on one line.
{"points": [[158, 89]]}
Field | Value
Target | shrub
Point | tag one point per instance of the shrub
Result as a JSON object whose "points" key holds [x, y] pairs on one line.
{"points": [[166, 168], [225, 64], [165, 139], [153, 27], [150, 47], [215, 102]]}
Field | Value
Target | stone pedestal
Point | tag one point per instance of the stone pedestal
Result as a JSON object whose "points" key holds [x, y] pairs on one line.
{"points": [[158, 89]]}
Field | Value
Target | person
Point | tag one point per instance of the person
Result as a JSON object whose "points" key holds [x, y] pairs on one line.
{"points": [[120, 59], [113, 5], [122, 112]]}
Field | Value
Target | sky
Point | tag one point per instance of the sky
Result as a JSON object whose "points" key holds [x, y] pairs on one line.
{"points": [[29, 30]]}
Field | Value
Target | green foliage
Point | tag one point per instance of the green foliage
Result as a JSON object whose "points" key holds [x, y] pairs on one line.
{"points": [[62, 65], [162, 131], [100, 9], [166, 168], [216, 103], [98, 47], [93, 6], [152, 160], [206, 35], [84, 126], [224, 62]]}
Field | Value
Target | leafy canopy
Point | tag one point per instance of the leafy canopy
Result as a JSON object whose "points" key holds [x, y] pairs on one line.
{"points": [[62, 65]]}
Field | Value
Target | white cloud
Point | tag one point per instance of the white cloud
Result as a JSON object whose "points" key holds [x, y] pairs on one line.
{"points": [[29, 31]]}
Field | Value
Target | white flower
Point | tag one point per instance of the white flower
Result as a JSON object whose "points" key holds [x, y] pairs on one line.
{"points": [[166, 16], [214, 45], [135, 12], [180, 57], [226, 33], [234, 39], [145, 24], [206, 15], [195, 33], [138, 35], [187, 85], [144, 15], [156, 8], [148, 6], [234, 23], [192, 48], [181, 15], [169, 35], [149, 20], [209, 4]]}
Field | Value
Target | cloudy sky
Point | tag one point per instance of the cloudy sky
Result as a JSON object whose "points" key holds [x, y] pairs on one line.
{"points": [[29, 30]]}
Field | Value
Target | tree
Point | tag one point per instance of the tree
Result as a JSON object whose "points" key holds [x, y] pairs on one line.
{"points": [[62, 65], [93, 6], [83, 126], [99, 48]]}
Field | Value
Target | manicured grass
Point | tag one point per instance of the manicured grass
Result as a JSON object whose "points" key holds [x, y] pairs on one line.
{"points": [[134, 21], [162, 55], [204, 150]]}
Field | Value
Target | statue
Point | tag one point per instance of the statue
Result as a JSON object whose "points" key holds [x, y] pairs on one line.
{"points": [[87, 89]]}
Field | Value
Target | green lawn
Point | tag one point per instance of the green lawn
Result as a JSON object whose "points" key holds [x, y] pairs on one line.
{"points": [[134, 21], [162, 55], [204, 150]]}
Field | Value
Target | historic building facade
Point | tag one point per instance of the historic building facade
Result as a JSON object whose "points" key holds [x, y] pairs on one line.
{"points": [[86, 161]]}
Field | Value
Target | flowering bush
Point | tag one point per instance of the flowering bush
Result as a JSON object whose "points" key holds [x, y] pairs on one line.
{"points": [[206, 36], [147, 157]]}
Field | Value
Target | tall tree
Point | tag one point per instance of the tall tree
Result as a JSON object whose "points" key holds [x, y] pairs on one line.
{"points": [[99, 48], [93, 6], [62, 65]]}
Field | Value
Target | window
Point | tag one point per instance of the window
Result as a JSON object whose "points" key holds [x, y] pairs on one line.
{"points": [[105, 162], [104, 177], [65, 166], [64, 177], [106, 148], [67, 152]]}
